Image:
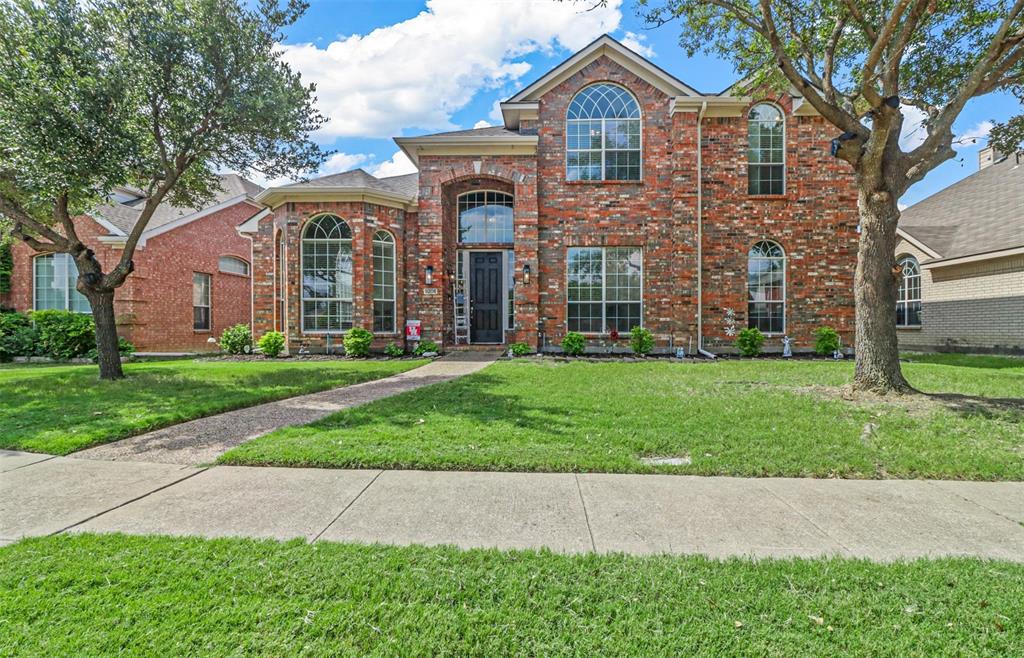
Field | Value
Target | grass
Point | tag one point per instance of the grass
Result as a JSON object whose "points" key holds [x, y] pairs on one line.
{"points": [[60, 409], [746, 418], [91, 595]]}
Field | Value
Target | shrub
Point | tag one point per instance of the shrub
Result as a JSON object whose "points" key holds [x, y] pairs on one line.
{"points": [[826, 341], [749, 341], [18, 337], [357, 342], [392, 349], [124, 347], [641, 340], [65, 335], [519, 349], [6, 267], [272, 344], [426, 346], [236, 339], [573, 343]]}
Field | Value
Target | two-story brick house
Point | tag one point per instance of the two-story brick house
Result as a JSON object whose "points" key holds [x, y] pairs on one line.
{"points": [[614, 195]]}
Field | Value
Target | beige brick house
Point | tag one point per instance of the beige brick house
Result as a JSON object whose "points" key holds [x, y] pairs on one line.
{"points": [[962, 253]]}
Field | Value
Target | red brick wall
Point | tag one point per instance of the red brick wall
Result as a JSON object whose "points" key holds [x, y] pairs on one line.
{"points": [[154, 306]]}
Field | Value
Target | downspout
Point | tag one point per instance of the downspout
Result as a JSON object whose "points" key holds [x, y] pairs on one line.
{"points": [[700, 233]]}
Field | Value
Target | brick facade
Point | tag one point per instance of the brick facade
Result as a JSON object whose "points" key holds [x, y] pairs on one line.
{"points": [[815, 223], [154, 306]]}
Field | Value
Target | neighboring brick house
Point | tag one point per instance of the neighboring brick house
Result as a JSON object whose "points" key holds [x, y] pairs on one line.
{"points": [[614, 195], [192, 269], [962, 254]]}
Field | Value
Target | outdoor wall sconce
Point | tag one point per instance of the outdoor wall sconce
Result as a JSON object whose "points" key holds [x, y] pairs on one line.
{"points": [[526, 274], [428, 277]]}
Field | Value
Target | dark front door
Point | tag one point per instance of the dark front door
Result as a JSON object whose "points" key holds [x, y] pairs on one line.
{"points": [[485, 297]]}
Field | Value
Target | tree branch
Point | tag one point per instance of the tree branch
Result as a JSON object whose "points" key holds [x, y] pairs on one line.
{"points": [[868, 73], [15, 212], [41, 247]]}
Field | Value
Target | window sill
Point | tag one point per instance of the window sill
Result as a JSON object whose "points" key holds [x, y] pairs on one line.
{"points": [[769, 197], [201, 331], [236, 274], [604, 182], [909, 327]]}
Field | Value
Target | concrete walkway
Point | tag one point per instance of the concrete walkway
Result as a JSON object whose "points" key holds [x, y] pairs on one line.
{"points": [[721, 517], [202, 440]]}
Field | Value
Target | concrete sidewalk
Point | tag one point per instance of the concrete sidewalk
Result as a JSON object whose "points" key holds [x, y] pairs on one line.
{"points": [[639, 514], [202, 440]]}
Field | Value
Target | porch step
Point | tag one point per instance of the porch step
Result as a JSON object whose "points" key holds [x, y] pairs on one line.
{"points": [[476, 348]]}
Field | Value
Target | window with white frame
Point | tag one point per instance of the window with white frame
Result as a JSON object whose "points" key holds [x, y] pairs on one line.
{"points": [[602, 134], [604, 289], [766, 150], [200, 301], [383, 282], [327, 275], [233, 265], [54, 280], [485, 216], [908, 297], [510, 264], [766, 288]]}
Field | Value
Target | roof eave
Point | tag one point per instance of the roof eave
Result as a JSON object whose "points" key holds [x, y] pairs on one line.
{"points": [[275, 196], [413, 147], [973, 258]]}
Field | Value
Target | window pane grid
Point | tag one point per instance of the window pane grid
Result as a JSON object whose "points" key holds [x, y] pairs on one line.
{"points": [[604, 289], [486, 216], [200, 301], [766, 151], [327, 275], [603, 135], [55, 278], [766, 288], [908, 296], [383, 282]]}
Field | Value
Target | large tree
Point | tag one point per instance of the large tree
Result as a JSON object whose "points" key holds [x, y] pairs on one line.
{"points": [[860, 64], [157, 95]]}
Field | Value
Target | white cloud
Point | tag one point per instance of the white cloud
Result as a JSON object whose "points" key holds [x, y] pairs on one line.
{"points": [[971, 137], [417, 73], [340, 162], [482, 124], [635, 42], [398, 164], [914, 132]]}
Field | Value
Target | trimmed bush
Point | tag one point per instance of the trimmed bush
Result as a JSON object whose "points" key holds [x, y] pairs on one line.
{"points": [[272, 344], [749, 341], [18, 337], [357, 342], [65, 335], [574, 343], [826, 341], [519, 349], [426, 346], [393, 350], [236, 339], [641, 340]]}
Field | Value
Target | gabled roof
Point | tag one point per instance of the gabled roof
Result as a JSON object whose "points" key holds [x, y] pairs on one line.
{"points": [[354, 185], [981, 214], [120, 218], [606, 46]]}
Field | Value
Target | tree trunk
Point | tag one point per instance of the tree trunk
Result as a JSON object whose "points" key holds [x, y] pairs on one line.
{"points": [[106, 333], [875, 286]]}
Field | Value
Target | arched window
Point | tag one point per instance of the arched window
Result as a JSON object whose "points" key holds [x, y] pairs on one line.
{"points": [[908, 298], [766, 287], [602, 133], [327, 275], [766, 150], [485, 216], [233, 265], [54, 280], [383, 282]]}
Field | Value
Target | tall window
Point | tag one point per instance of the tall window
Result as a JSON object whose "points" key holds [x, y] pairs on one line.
{"points": [[908, 298], [766, 150], [766, 288], [602, 132], [281, 282], [605, 289], [200, 301], [55, 278], [485, 217], [327, 275], [383, 282]]}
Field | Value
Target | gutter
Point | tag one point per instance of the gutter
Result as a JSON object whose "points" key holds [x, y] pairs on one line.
{"points": [[700, 233]]}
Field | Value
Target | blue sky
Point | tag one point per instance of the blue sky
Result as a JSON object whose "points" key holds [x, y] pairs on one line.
{"points": [[386, 68]]}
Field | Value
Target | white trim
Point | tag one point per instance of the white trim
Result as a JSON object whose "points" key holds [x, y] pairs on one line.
{"points": [[908, 300], [394, 279], [785, 179], [712, 106], [618, 53], [785, 284], [251, 225], [114, 230], [917, 243], [960, 260], [276, 196], [467, 145], [604, 281], [604, 178], [302, 296]]}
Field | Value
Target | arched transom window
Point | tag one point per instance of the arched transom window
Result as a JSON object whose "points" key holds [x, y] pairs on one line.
{"points": [[908, 298], [485, 216], [602, 132], [383, 282], [766, 287], [327, 275], [766, 150]]}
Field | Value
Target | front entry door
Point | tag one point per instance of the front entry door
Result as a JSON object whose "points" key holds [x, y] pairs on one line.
{"points": [[485, 297]]}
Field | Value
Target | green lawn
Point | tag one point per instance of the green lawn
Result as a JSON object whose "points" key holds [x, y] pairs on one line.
{"points": [[90, 595], [60, 409], [748, 418]]}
